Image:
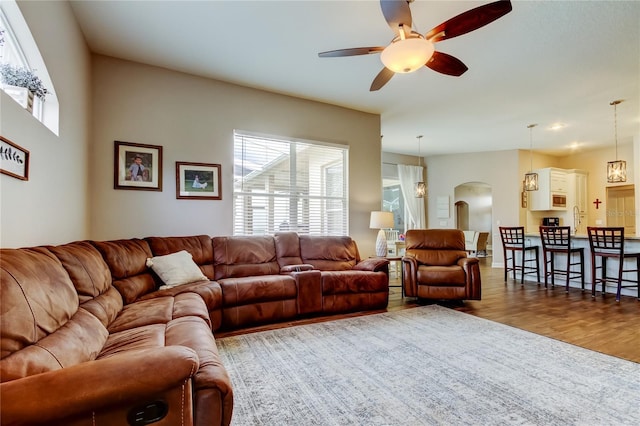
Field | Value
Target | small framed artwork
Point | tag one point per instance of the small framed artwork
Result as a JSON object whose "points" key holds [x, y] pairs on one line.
{"points": [[14, 160], [523, 199], [137, 166], [198, 181]]}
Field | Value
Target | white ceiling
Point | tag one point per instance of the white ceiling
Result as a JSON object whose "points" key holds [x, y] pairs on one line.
{"points": [[545, 62]]}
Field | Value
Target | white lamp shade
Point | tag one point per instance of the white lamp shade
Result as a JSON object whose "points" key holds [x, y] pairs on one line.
{"points": [[407, 55], [381, 220]]}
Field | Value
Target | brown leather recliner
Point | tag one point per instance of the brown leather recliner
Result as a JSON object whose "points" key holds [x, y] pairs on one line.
{"points": [[436, 266]]}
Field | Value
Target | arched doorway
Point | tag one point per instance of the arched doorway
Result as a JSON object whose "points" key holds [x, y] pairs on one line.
{"points": [[462, 215], [474, 204]]}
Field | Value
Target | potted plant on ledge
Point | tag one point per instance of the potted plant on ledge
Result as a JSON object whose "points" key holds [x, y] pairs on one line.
{"points": [[22, 85]]}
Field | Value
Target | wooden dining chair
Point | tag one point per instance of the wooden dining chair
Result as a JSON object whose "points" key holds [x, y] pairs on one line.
{"points": [[608, 243], [513, 242], [557, 240]]}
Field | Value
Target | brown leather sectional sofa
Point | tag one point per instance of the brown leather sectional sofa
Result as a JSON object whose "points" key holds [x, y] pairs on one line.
{"points": [[87, 336]]}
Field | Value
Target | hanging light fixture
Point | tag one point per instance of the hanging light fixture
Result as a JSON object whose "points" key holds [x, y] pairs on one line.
{"points": [[408, 52], [531, 178], [421, 187], [616, 170]]}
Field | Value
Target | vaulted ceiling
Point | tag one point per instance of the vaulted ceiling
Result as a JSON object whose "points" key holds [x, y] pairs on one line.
{"points": [[545, 62]]}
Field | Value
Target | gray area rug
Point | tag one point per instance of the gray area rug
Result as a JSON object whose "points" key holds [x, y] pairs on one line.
{"points": [[424, 366]]}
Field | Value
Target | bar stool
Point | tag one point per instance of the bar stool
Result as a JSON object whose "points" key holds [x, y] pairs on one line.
{"points": [[605, 243], [557, 239], [512, 242]]}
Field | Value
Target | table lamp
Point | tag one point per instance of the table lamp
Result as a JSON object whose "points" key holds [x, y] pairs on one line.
{"points": [[381, 221]]}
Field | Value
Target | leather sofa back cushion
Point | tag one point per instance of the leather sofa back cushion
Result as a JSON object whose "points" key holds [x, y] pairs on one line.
{"points": [[41, 327], [436, 257], [92, 279], [200, 247], [244, 256], [288, 248], [79, 340], [37, 297], [439, 247], [127, 261], [435, 239], [329, 253]]}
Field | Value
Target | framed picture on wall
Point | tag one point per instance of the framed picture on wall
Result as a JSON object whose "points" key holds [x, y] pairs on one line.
{"points": [[198, 181], [137, 166], [14, 160]]}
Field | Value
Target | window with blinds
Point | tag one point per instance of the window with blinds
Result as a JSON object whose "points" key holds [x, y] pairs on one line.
{"points": [[289, 185]]}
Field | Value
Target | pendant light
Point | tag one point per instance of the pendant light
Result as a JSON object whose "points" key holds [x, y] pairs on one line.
{"points": [[531, 178], [421, 187], [616, 170]]}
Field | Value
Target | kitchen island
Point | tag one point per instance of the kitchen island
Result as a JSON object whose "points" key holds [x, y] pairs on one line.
{"points": [[631, 245]]}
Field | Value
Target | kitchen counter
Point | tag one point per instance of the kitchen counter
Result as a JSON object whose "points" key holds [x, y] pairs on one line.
{"points": [[632, 244]]}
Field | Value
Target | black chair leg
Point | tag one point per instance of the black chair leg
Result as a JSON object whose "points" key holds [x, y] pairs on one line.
{"points": [[594, 278], [568, 271], [582, 269]]}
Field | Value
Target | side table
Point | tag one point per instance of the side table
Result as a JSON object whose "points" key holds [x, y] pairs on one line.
{"points": [[397, 269]]}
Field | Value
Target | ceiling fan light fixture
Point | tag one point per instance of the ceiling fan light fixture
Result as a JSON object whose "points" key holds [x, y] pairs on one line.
{"points": [[408, 54]]}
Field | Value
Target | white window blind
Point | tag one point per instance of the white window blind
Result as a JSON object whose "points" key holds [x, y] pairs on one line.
{"points": [[289, 185]]}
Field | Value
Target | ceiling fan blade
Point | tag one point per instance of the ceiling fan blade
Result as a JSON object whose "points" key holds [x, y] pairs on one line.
{"points": [[469, 21], [446, 64], [381, 79], [350, 52], [396, 13]]}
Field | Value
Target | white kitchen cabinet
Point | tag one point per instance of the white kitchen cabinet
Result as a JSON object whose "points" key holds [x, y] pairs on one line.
{"points": [[552, 190]]}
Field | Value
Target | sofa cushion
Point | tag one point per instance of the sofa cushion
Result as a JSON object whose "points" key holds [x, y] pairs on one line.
{"points": [[287, 248], [244, 257], [329, 253], [339, 282], [247, 290], [200, 247], [452, 275], [436, 247], [79, 340], [176, 269], [160, 310], [92, 279], [41, 325], [127, 260], [37, 297]]}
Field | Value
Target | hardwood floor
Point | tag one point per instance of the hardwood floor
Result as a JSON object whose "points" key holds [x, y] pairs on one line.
{"points": [[598, 324]]}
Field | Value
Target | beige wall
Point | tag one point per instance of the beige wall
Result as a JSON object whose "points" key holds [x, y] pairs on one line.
{"points": [[499, 169], [52, 206], [504, 172], [193, 119], [595, 162]]}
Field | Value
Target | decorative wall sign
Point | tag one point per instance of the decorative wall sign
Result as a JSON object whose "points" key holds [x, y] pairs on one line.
{"points": [[14, 160], [198, 181], [137, 166]]}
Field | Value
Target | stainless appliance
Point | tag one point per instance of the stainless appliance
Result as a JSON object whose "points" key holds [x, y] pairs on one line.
{"points": [[550, 221], [558, 200]]}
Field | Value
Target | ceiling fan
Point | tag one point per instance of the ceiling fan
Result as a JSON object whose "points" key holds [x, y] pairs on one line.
{"points": [[409, 50]]}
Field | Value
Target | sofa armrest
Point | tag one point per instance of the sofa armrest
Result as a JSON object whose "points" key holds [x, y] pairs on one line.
{"points": [[296, 268], [126, 379], [374, 264], [409, 276], [471, 266]]}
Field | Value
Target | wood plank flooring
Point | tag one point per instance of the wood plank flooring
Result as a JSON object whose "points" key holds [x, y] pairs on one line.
{"points": [[598, 324]]}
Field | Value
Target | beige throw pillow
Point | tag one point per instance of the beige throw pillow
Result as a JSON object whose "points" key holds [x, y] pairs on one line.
{"points": [[176, 269]]}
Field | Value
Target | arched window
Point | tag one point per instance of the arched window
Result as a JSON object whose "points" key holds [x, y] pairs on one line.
{"points": [[23, 74]]}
